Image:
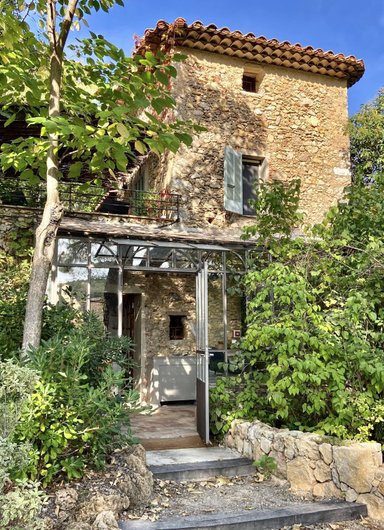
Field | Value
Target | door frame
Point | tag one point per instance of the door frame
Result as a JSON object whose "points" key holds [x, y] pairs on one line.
{"points": [[202, 354]]}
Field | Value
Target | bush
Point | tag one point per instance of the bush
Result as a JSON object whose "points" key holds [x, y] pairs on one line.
{"points": [[14, 278], [80, 409], [14, 281], [20, 500], [312, 355]]}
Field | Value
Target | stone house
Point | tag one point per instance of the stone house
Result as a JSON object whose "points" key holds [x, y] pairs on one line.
{"points": [[156, 261]]}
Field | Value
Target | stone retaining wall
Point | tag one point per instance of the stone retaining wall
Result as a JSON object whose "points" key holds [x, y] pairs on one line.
{"points": [[317, 465]]}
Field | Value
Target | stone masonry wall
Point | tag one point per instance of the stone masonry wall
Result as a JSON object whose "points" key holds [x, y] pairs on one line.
{"points": [[174, 294], [296, 121], [314, 464]]}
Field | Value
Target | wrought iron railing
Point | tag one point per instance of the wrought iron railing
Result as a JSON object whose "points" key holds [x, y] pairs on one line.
{"points": [[78, 198]]}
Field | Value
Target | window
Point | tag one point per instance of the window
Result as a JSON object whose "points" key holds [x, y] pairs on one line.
{"points": [[176, 327], [253, 75], [249, 83], [242, 173]]}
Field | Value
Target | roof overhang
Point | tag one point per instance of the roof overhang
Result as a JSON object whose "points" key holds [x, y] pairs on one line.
{"points": [[151, 235], [247, 46]]}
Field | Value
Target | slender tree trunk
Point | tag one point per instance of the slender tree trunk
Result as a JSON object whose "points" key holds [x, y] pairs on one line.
{"points": [[46, 232]]}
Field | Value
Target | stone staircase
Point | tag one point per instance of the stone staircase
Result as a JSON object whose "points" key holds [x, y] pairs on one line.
{"points": [[201, 464]]}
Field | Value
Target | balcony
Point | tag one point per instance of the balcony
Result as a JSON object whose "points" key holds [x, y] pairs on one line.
{"points": [[90, 199]]}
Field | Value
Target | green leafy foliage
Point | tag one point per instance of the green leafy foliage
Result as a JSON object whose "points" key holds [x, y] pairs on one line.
{"points": [[20, 500], [312, 356], [266, 465], [367, 139], [14, 276], [276, 211], [113, 106], [79, 410]]}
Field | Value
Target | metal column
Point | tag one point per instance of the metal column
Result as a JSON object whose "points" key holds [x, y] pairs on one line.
{"points": [[120, 301], [202, 354]]}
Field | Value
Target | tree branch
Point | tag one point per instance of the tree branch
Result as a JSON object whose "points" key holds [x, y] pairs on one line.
{"points": [[51, 23], [66, 24]]}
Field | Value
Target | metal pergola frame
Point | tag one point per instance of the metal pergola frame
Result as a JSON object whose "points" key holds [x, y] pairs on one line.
{"points": [[136, 255], [118, 250]]}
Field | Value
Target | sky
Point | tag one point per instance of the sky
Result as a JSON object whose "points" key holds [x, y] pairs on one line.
{"points": [[351, 27]]}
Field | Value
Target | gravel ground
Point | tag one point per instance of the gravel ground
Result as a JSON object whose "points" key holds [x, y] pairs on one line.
{"points": [[229, 495]]}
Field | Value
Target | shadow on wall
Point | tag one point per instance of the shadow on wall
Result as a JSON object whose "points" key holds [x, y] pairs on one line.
{"points": [[295, 122], [197, 172]]}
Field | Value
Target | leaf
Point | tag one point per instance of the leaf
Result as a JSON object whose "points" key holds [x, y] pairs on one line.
{"points": [[75, 170], [29, 175], [123, 131], [10, 120], [185, 138], [178, 57], [140, 147], [162, 77]]}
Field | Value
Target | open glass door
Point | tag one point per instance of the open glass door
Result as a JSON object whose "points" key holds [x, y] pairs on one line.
{"points": [[202, 354]]}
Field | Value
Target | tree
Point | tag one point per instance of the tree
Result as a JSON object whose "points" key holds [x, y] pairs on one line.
{"points": [[361, 215], [97, 109], [366, 130]]}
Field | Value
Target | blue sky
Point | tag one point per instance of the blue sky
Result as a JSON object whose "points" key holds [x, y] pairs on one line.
{"points": [[352, 27]]}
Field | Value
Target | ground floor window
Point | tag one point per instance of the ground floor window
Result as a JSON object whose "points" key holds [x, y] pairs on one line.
{"points": [[176, 327]]}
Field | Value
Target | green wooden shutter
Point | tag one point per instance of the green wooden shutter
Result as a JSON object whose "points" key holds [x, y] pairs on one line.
{"points": [[233, 181]]}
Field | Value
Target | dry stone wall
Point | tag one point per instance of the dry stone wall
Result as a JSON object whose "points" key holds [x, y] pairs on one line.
{"points": [[317, 465], [296, 121]]}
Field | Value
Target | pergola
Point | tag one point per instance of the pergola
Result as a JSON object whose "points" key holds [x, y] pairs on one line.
{"points": [[90, 249]]}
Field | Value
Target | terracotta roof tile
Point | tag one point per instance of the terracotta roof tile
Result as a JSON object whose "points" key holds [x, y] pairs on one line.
{"points": [[260, 49]]}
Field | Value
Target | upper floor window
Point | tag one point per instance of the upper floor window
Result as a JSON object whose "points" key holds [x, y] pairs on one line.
{"points": [[139, 183], [249, 83], [242, 174], [253, 75]]}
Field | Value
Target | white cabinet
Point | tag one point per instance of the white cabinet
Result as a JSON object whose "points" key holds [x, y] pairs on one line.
{"points": [[173, 378]]}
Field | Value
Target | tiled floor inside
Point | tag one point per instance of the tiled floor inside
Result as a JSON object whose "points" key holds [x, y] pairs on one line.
{"points": [[167, 427]]}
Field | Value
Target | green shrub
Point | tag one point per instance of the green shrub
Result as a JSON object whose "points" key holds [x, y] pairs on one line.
{"points": [[20, 506], [80, 409], [20, 500], [266, 465], [14, 281], [312, 355]]}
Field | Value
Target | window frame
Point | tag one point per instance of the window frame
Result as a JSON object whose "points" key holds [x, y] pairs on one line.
{"points": [[234, 162], [251, 81], [179, 326]]}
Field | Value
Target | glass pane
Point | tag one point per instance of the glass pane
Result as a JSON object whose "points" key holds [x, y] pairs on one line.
{"points": [[216, 316], [186, 259], [104, 283], [160, 257], [235, 261], [72, 286], [133, 255], [72, 251], [104, 254], [214, 259]]}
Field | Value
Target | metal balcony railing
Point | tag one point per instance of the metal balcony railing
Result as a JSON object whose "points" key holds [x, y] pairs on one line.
{"points": [[78, 198]]}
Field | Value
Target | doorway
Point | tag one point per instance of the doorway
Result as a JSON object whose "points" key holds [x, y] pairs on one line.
{"points": [[131, 324]]}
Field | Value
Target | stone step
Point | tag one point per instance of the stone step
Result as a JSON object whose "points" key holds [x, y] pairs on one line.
{"points": [[311, 513], [197, 463]]}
